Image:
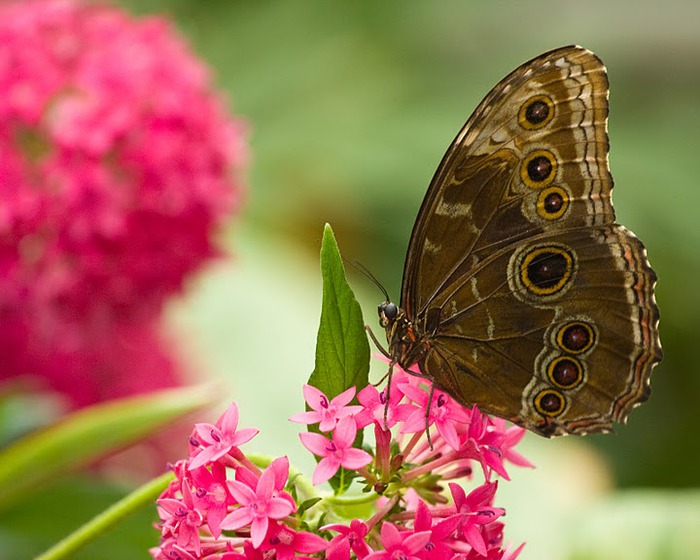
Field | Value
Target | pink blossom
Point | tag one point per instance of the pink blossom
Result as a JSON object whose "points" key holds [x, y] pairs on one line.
{"points": [[482, 442], [336, 452], [375, 406], [256, 507], [477, 511], [349, 538], [287, 543], [218, 440], [512, 437], [324, 411], [211, 495], [181, 518], [280, 468], [442, 410], [437, 547], [118, 164], [169, 550], [406, 546]]}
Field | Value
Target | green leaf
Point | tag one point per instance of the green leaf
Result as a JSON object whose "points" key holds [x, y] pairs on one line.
{"points": [[342, 350], [36, 523], [127, 506], [89, 434]]}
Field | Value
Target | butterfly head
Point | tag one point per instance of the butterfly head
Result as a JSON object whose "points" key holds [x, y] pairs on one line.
{"points": [[388, 312]]}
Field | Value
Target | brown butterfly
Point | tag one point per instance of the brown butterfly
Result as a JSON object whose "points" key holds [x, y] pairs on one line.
{"points": [[521, 293]]}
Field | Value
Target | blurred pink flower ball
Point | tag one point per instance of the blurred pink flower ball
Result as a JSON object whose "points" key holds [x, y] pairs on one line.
{"points": [[118, 162]]}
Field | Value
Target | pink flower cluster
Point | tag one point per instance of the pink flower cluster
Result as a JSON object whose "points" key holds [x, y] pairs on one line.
{"points": [[202, 502], [258, 514], [117, 164]]}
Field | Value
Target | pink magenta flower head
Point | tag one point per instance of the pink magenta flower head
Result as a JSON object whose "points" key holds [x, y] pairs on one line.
{"points": [[335, 452], [257, 507], [117, 164], [325, 412]]}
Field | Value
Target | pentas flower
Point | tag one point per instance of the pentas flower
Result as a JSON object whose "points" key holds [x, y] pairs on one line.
{"points": [[336, 452], [256, 507], [286, 542], [442, 411], [218, 440], [406, 547], [118, 164], [325, 412], [227, 508], [375, 408], [350, 537]]}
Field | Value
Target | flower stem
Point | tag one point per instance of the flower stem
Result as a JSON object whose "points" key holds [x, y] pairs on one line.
{"points": [[142, 496]]}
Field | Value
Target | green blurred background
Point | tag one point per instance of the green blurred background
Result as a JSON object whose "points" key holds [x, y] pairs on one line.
{"points": [[350, 107]]}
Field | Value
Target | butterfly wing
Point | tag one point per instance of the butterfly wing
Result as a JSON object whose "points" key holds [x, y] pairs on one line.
{"points": [[515, 259]]}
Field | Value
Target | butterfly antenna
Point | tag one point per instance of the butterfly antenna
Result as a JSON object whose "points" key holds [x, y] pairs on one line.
{"points": [[365, 271]]}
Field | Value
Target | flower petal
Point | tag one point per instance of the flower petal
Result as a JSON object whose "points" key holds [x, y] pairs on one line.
{"points": [[239, 517], [242, 493], [266, 484], [315, 399], [258, 530], [345, 432], [308, 543], [326, 469], [243, 436], [277, 508], [316, 443], [280, 467], [354, 459], [310, 417], [343, 398], [229, 420]]}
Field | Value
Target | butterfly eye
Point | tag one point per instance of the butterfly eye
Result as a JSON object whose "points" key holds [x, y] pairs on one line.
{"points": [[387, 313]]}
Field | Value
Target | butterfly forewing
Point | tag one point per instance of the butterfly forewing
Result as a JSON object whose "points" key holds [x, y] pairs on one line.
{"points": [[521, 293]]}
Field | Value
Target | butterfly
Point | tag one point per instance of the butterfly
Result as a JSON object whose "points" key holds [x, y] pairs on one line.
{"points": [[521, 294]]}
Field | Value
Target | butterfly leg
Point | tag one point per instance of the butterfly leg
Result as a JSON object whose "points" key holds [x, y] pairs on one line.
{"points": [[377, 343], [427, 415]]}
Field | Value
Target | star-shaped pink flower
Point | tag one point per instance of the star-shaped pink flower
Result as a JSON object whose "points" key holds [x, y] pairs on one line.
{"points": [[326, 413], [476, 511], [217, 440], [257, 507], [349, 538], [336, 452], [405, 546], [211, 495], [287, 543], [443, 411]]}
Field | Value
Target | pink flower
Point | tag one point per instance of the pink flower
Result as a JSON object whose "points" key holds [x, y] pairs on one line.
{"points": [[483, 441], [287, 543], [256, 507], [349, 538], [512, 437], [476, 511], [182, 519], [211, 495], [437, 547], [336, 452], [218, 440], [405, 546], [325, 412], [443, 411], [375, 406], [118, 163]]}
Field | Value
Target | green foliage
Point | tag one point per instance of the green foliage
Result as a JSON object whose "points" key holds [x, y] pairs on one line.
{"points": [[342, 350], [87, 435], [44, 518]]}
